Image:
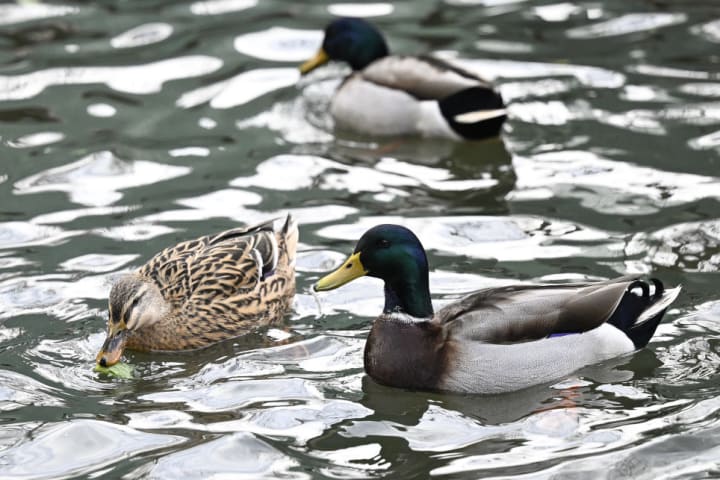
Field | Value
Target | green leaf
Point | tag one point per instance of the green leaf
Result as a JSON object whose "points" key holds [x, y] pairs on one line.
{"points": [[119, 370]]}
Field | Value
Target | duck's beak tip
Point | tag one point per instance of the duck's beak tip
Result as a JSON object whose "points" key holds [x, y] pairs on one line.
{"points": [[112, 349]]}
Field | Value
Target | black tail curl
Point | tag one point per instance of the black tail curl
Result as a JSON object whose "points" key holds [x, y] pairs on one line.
{"points": [[631, 307]]}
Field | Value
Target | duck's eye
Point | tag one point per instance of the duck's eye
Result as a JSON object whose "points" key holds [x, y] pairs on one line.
{"points": [[135, 301], [383, 243]]}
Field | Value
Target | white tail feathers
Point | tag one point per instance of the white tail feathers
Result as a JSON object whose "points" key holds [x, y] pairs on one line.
{"points": [[479, 115], [667, 298]]}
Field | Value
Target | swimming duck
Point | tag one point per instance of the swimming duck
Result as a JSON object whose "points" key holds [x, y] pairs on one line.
{"points": [[403, 95], [203, 291], [496, 339]]}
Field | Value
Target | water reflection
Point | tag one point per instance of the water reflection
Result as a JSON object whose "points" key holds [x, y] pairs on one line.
{"points": [[138, 79], [127, 128], [145, 34], [239, 455], [77, 447], [24, 12], [240, 89], [95, 180], [218, 7], [625, 24]]}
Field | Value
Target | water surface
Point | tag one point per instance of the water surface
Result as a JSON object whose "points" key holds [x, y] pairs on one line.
{"points": [[129, 126]]}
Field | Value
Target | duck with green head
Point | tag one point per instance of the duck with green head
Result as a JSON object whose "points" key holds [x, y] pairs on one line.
{"points": [[403, 95], [494, 340]]}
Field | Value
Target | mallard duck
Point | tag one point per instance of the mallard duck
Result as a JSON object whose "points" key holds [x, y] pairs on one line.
{"points": [[403, 95], [203, 291], [496, 339]]}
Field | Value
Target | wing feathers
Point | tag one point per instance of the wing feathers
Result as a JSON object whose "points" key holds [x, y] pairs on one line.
{"points": [[523, 313], [424, 78], [226, 265]]}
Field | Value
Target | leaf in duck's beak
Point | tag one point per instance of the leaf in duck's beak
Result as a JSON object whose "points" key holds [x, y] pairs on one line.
{"points": [[348, 271], [320, 58], [119, 370], [112, 349]]}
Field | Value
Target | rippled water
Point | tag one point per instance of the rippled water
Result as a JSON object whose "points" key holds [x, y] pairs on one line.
{"points": [[127, 126]]}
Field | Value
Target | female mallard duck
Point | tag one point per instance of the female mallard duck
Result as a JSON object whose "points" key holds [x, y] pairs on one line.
{"points": [[496, 339], [203, 291], [401, 95]]}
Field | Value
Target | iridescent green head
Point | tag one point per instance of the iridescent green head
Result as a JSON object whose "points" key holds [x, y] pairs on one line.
{"points": [[394, 254], [351, 40]]}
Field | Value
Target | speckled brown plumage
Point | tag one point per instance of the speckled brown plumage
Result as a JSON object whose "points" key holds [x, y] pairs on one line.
{"points": [[210, 289]]}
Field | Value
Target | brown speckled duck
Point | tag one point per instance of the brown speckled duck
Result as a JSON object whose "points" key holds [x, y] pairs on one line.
{"points": [[203, 291]]}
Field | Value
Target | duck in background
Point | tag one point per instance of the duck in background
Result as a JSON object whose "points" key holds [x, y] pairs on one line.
{"points": [[203, 291], [497, 339], [403, 95]]}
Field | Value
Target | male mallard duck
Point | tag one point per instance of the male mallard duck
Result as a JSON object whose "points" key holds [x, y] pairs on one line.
{"points": [[401, 95], [496, 339], [203, 291]]}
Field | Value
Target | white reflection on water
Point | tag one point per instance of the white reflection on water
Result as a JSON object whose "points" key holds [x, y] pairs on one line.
{"points": [[691, 246], [218, 7], [67, 216], [280, 44], [22, 234], [503, 46], [144, 34], [134, 232], [218, 200], [97, 262], [608, 186], [576, 431], [56, 295], [293, 121], [240, 455], [672, 72], [240, 89], [544, 113], [232, 395], [710, 31], [345, 462], [625, 24], [557, 12], [101, 110], [514, 238], [77, 447], [701, 89], [711, 140], [293, 172], [300, 422], [26, 11], [96, 179], [231, 204], [360, 9], [17, 390], [190, 152], [138, 79], [36, 139], [484, 3]]}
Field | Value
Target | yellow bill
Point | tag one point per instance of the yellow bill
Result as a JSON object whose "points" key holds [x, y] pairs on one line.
{"points": [[320, 58], [348, 271]]}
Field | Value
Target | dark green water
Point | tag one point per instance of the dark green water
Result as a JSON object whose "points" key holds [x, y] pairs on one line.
{"points": [[127, 126]]}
